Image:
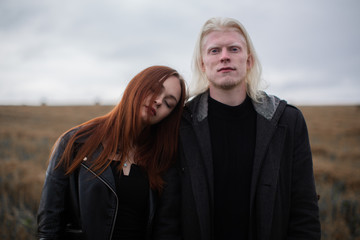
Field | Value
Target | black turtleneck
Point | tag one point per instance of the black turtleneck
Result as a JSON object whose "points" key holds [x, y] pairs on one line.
{"points": [[232, 131]]}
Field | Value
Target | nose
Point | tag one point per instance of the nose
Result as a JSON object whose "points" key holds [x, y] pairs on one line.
{"points": [[224, 56], [157, 102]]}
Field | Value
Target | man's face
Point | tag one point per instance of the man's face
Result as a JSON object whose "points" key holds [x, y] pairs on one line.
{"points": [[225, 59]]}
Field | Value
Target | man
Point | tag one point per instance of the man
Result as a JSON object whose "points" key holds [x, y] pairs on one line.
{"points": [[245, 161]]}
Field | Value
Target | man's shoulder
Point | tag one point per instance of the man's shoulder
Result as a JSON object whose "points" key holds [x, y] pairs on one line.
{"points": [[193, 101], [292, 112], [269, 106], [197, 107], [282, 110], [273, 108]]}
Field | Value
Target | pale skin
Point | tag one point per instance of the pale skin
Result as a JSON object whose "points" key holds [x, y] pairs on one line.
{"points": [[225, 61], [154, 112], [164, 103]]}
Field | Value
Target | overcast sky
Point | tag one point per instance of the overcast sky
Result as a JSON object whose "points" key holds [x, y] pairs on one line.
{"points": [[83, 51]]}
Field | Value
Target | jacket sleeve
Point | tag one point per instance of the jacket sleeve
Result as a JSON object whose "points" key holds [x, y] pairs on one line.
{"points": [[51, 212], [167, 216], [304, 212]]}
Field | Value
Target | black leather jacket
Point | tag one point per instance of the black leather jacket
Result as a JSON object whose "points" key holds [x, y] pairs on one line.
{"points": [[82, 205]]}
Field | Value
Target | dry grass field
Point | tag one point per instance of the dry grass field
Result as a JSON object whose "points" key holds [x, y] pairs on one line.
{"points": [[335, 142], [28, 133]]}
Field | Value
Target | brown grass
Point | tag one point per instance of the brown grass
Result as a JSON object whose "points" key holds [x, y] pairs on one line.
{"points": [[26, 137], [28, 133], [335, 142]]}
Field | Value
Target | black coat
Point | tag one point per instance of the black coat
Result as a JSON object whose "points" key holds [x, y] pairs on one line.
{"points": [[283, 200], [82, 205]]}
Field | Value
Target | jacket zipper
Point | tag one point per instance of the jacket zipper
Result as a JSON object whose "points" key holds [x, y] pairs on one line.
{"points": [[117, 200]]}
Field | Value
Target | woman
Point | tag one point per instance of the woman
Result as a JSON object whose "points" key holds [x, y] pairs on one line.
{"points": [[104, 175]]}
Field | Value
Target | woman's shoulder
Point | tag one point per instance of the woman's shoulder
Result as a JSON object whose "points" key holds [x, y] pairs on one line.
{"points": [[72, 132], [69, 134]]}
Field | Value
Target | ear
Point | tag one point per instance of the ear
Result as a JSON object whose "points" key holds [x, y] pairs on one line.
{"points": [[202, 66], [250, 62]]}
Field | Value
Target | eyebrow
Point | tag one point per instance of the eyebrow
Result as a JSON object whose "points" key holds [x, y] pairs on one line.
{"points": [[228, 44]]}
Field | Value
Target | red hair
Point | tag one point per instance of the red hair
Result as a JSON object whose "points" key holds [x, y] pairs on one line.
{"points": [[156, 145]]}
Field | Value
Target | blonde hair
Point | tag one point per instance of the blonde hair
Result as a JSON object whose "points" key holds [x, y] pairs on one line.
{"points": [[200, 82]]}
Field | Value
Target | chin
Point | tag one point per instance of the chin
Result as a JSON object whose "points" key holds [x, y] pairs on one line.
{"points": [[226, 85], [230, 84]]}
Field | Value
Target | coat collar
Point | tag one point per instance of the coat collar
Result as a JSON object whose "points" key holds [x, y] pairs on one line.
{"points": [[266, 107]]}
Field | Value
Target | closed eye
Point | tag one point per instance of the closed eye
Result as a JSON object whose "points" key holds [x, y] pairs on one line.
{"points": [[170, 101], [169, 104]]}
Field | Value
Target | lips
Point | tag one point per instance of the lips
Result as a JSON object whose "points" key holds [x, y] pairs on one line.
{"points": [[151, 110], [225, 69]]}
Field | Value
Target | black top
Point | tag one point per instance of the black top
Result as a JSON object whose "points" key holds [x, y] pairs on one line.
{"points": [[133, 195], [232, 131]]}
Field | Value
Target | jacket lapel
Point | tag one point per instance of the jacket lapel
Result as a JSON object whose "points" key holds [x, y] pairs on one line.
{"points": [[201, 180], [264, 133], [270, 139], [107, 176], [203, 138]]}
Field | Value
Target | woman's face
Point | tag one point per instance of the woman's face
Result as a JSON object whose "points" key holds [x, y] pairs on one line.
{"points": [[164, 103]]}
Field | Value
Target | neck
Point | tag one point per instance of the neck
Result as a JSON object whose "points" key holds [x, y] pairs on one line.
{"points": [[231, 97]]}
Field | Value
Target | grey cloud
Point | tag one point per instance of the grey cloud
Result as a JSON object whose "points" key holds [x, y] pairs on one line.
{"points": [[308, 44]]}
